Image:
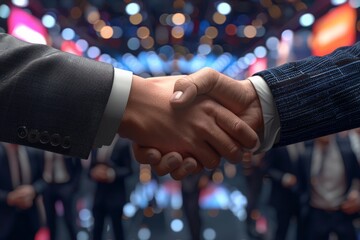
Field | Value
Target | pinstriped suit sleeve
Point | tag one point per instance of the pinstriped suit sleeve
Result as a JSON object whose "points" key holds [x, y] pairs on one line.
{"points": [[318, 95], [50, 99]]}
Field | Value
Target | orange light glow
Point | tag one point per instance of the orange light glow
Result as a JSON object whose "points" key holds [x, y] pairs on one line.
{"points": [[334, 30]]}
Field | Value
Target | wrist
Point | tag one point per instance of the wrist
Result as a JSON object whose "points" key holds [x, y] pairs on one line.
{"points": [[130, 117], [258, 122]]}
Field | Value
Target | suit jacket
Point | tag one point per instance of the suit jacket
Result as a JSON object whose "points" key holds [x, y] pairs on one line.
{"points": [[278, 162], [114, 194], [73, 169], [51, 99], [351, 168], [317, 96], [8, 214]]}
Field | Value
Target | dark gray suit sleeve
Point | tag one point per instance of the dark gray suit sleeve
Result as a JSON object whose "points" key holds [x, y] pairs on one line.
{"points": [[50, 99], [318, 95]]}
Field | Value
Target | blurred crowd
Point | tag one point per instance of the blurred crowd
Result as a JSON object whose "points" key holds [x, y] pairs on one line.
{"points": [[313, 191]]}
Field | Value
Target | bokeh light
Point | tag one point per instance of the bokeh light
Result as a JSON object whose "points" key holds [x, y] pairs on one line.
{"points": [[132, 8], [307, 20], [224, 8]]}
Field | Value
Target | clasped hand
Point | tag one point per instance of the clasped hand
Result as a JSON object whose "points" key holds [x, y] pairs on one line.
{"points": [[186, 123]]}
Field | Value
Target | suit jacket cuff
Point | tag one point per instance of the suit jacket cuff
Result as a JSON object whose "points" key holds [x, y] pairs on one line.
{"points": [[115, 108]]}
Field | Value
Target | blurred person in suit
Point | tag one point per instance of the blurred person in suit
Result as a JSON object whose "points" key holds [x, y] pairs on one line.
{"points": [[281, 169], [62, 174], [109, 168], [191, 187], [21, 182], [328, 176], [254, 170]]}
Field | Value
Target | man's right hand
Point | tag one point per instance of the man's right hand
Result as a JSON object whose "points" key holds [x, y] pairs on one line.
{"points": [[238, 96]]}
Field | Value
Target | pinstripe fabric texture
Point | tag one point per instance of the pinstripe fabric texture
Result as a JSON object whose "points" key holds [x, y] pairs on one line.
{"points": [[317, 96]]}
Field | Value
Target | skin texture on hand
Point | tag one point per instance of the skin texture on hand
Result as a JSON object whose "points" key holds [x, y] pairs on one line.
{"points": [[238, 96], [199, 130]]}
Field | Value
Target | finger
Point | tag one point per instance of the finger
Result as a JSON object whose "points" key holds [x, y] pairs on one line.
{"points": [[188, 87], [237, 129], [169, 162], [188, 167], [146, 155], [206, 155], [221, 142]]}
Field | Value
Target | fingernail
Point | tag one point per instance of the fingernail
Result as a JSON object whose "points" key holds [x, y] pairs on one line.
{"points": [[173, 162], [189, 166], [151, 158], [257, 146], [177, 95]]}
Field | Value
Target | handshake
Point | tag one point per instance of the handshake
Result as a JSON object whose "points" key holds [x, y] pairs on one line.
{"points": [[182, 124]]}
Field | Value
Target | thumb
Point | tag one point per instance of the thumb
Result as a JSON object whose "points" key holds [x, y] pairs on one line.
{"points": [[187, 88]]}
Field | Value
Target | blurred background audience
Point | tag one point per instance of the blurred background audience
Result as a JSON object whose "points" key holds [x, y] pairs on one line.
{"points": [[288, 193]]}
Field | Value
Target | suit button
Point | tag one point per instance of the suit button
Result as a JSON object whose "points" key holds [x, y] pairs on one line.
{"points": [[55, 140], [22, 132], [33, 136], [66, 142], [44, 137]]}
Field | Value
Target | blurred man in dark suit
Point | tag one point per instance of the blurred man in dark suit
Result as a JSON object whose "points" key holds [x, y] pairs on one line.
{"points": [[191, 187], [329, 183], [20, 183], [63, 176], [109, 168], [281, 169]]}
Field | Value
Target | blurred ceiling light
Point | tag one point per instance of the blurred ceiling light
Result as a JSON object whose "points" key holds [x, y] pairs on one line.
{"points": [[177, 225], [219, 18], [224, 8], [147, 43], [307, 20], [70, 47], [98, 25], [287, 35], [4, 11], [132, 8], [68, 34], [177, 32], [211, 32], [82, 45], [93, 16], [107, 32], [25, 26], [272, 43], [48, 21], [20, 3], [133, 43], [93, 52], [178, 19], [275, 11], [144, 233], [354, 3], [260, 52], [29, 34], [250, 31], [143, 32], [231, 29], [338, 2], [118, 32], [136, 19]]}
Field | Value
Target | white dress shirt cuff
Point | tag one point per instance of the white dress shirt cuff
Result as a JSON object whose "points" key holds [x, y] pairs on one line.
{"points": [[115, 108], [270, 114]]}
